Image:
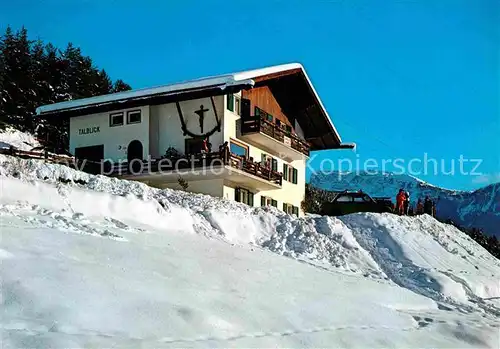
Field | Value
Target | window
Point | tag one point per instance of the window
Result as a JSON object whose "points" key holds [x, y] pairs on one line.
{"points": [[265, 161], [344, 198], [278, 122], [274, 165], [290, 174], [256, 111], [269, 118], [361, 199], [267, 201], [134, 117], [244, 196], [238, 149], [288, 128], [269, 162], [290, 209], [237, 105], [115, 119], [230, 102], [294, 176], [274, 203]]}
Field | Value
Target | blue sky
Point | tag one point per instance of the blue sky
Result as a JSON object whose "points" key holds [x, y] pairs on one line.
{"points": [[400, 78]]}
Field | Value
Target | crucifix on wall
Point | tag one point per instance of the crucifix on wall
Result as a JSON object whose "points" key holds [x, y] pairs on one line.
{"points": [[201, 116]]}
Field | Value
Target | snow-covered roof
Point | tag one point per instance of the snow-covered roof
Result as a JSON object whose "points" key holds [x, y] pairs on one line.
{"points": [[223, 82]]}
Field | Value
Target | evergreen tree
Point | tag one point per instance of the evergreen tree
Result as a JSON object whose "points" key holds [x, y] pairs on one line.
{"points": [[3, 90], [120, 85], [33, 73], [18, 90]]}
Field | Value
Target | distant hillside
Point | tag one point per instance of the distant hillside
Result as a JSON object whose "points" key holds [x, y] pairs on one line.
{"points": [[472, 209]]}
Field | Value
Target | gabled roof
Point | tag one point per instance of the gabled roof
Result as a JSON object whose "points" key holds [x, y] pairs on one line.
{"points": [[319, 128]]}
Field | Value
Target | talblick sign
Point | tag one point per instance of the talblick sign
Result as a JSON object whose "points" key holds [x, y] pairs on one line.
{"points": [[89, 130]]}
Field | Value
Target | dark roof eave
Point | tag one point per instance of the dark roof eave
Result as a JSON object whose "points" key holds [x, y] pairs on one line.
{"points": [[162, 98]]}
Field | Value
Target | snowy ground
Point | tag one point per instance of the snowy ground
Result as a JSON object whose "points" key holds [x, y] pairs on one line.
{"points": [[100, 262], [17, 139]]}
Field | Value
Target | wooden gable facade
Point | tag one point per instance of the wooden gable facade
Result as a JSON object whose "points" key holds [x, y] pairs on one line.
{"points": [[263, 98]]}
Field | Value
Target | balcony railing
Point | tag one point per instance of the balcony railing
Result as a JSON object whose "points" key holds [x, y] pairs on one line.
{"points": [[255, 168], [195, 162], [258, 123]]}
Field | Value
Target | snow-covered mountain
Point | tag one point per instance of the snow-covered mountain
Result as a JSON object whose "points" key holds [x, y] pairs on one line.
{"points": [[479, 208], [91, 261]]}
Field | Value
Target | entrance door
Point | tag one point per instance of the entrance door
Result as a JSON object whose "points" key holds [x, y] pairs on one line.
{"points": [[92, 155], [134, 152]]}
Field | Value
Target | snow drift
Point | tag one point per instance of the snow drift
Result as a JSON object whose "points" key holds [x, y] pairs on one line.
{"points": [[478, 209], [196, 270], [17, 139]]}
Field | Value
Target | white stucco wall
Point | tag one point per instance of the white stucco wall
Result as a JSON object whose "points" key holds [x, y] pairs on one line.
{"points": [[160, 128], [290, 193], [169, 124], [115, 139]]}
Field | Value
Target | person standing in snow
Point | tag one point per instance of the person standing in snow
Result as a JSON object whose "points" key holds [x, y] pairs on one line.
{"points": [[400, 202], [420, 207], [428, 206], [407, 203]]}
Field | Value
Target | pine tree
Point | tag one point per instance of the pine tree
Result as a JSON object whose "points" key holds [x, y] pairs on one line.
{"points": [[120, 85], [3, 90], [34, 74], [104, 85]]}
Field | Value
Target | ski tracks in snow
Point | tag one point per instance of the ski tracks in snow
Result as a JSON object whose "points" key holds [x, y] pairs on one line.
{"points": [[389, 255], [66, 220]]}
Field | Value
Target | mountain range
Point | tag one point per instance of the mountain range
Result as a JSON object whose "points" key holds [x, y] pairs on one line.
{"points": [[471, 209]]}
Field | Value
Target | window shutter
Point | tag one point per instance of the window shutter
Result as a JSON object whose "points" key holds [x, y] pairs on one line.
{"points": [[250, 199], [284, 206], [294, 176], [230, 102], [262, 201], [285, 172], [237, 105], [274, 203], [275, 165], [237, 194], [295, 210]]}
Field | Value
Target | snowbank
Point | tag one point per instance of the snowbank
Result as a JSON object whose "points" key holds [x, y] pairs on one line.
{"points": [[372, 245], [20, 140], [196, 270], [478, 209]]}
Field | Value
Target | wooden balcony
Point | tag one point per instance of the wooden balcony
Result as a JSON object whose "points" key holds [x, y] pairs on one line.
{"points": [[257, 130], [215, 165]]}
